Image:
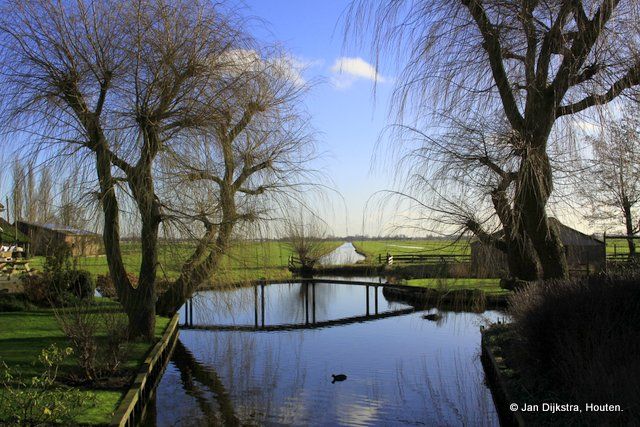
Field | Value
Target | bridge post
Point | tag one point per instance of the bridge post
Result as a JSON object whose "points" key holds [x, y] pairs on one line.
{"points": [[313, 294], [375, 289], [255, 305], [306, 303], [367, 289], [262, 302], [190, 311]]}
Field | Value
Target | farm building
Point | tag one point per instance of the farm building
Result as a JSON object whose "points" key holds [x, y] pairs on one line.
{"points": [[583, 252], [45, 238]]}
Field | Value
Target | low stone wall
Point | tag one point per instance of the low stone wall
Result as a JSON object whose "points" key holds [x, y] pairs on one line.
{"points": [[131, 410]]}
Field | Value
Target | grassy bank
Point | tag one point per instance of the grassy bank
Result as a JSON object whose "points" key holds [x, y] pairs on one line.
{"points": [[24, 334], [488, 286], [372, 248], [246, 260]]}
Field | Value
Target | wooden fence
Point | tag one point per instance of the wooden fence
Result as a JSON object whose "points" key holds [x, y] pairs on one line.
{"points": [[424, 259], [130, 412]]}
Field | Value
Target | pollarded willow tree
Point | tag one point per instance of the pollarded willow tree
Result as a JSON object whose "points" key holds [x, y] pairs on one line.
{"points": [[249, 164], [469, 167], [127, 84], [536, 61]]}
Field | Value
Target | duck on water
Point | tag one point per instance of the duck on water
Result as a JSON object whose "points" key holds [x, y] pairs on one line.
{"points": [[338, 378]]}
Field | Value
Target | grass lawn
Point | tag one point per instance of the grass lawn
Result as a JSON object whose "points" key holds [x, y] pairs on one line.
{"points": [[246, 260], [24, 334], [372, 248], [488, 286]]}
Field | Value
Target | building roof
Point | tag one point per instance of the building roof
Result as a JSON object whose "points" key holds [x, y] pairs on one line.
{"points": [[8, 233], [573, 237], [60, 228], [569, 236]]}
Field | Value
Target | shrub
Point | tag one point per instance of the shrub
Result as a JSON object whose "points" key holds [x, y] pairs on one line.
{"points": [[60, 283], [115, 349], [80, 283], [13, 302], [40, 400], [97, 357], [42, 291], [583, 337], [106, 287], [80, 325]]}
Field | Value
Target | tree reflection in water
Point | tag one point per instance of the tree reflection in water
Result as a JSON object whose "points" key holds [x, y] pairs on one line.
{"points": [[401, 370]]}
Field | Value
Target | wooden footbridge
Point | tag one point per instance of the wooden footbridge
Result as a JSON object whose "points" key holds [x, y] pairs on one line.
{"points": [[371, 310]]}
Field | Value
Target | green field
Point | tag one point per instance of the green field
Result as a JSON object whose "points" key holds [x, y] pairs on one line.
{"points": [[246, 260], [24, 334], [619, 246], [372, 248]]}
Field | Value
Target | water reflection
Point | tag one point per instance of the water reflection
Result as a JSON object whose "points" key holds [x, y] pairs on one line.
{"points": [[401, 370], [288, 305]]}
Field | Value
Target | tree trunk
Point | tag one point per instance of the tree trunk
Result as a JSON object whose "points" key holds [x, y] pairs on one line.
{"points": [[522, 259], [198, 269], [143, 312], [628, 220], [138, 302], [532, 193]]}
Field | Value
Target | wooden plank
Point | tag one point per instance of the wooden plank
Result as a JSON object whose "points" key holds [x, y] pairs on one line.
{"points": [[132, 399]]}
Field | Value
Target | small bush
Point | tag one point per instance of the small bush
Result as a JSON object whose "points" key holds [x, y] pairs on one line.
{"points": [[115, 349], [80, 325], [60, 283], [106, 287], [13, 303], [81, 283], [583, 337], [97, 356], [45, 290], [41, 400]]}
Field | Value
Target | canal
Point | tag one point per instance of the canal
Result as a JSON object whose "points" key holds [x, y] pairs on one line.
{"points": [[266, 355]]}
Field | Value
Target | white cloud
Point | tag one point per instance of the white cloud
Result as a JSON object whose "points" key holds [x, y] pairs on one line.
{"points": [[347, 70], [289, 66]]}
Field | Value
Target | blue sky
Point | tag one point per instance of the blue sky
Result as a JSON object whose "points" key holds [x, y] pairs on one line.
{"points": [[342, 104]]}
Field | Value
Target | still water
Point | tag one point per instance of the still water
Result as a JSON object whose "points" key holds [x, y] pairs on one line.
{"points": [[275, 368], [343, 254]]}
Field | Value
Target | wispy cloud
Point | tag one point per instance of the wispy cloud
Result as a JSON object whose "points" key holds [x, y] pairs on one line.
{"points": [[289, 66], [346, 70]]}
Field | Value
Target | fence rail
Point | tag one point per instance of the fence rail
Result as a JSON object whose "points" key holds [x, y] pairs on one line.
{"points": [[426, 259], [131, 409]]}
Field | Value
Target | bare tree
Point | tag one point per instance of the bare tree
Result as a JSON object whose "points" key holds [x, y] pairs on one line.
{"points": [[306, 240], [31, 200], [461, 174], [70, 212], [252, 159], [611, 182], [119, 79], [17, 192], [136, 87], [536, 61], [44, 196]]}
